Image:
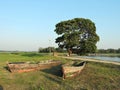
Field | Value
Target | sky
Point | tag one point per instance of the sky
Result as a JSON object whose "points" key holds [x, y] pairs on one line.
{"points": [[27, 25]]}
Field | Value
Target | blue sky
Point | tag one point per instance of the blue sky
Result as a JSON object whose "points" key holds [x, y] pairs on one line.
{"points": [[26, 25]]}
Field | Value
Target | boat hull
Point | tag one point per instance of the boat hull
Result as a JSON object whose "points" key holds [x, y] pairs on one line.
{"points": [[72, 70], [27, 66]]}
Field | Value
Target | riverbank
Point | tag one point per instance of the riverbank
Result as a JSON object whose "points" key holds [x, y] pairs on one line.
{"points": [[93, 60]]}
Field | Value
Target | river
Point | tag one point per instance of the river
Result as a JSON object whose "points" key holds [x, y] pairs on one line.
{"points": [[106, 58]]}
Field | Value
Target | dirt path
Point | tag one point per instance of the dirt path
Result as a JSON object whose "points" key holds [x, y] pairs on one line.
{"points": [[94, 60]]}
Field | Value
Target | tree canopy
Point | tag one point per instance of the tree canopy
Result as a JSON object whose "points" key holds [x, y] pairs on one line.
{"points": [[77, 35]]}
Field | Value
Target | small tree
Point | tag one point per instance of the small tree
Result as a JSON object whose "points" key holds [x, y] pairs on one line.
{"points": [[77, 35]]}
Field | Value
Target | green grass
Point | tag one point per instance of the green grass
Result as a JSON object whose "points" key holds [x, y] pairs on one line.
{"points": [[95, 76]]}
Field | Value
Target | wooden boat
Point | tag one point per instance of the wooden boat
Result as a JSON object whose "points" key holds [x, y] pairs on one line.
{"points": [[73, 69], [31, 66]]}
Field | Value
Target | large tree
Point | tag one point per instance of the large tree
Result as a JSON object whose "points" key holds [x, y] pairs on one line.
{"points": [[77, 35]]}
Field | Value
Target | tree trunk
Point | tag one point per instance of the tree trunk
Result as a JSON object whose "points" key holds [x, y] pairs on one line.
{"points": [[69, 51]]}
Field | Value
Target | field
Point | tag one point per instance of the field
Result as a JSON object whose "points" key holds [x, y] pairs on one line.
{"points": [[95, 76]]}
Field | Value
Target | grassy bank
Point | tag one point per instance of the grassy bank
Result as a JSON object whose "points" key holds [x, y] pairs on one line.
{"points": [[95, 76]]}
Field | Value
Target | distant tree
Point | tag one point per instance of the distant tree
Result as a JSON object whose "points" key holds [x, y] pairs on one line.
{"points": [[51, 49], [60, 50], [101, 51], [118, 50], [111, 50], [40, 50], [78, 35], [46, 50]]}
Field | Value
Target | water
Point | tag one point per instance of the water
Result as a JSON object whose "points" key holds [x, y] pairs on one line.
{"points": [[117, 59]]}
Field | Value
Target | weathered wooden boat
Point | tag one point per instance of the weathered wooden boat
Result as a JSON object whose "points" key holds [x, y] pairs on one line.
{"points": [[31, 66], [72, 69]]}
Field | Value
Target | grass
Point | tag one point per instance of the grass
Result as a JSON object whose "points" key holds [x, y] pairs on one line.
{"points": [[95, 76]]}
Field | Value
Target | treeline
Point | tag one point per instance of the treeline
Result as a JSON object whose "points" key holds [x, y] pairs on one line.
{"points": [[51, 49], [108, 51]]}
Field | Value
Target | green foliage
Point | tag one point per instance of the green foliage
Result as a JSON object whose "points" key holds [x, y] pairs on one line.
{"points": [[110, 50], [51, 49], [60, 50], [46, 50], [78, 34]]}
